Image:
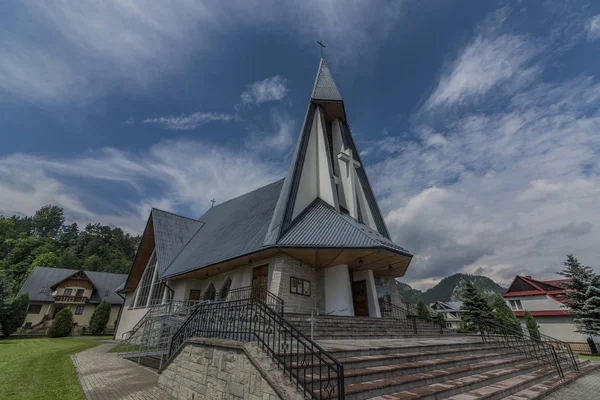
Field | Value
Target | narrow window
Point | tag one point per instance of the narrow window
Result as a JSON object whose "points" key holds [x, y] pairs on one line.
{"points": [[79, 310], [79, 293], [225, 289], [210, 293], [67, 292]]}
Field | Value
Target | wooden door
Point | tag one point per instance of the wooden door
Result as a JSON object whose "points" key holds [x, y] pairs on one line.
{"points": [[194, 294], [359, 296], [260, 278]]}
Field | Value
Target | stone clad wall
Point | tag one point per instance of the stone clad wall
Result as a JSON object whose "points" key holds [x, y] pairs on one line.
{"points": [[393, 290], [223, 369], [285, 267]]}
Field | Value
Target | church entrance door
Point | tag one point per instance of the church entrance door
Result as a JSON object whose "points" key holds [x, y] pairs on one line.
{"points": [[260, 278], [359, 296]]}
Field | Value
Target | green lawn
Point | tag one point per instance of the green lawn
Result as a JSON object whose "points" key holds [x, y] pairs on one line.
{"points": [[40, 368], [593, 358]]}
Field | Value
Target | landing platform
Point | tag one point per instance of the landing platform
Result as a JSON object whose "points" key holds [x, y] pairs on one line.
{"points": [[369, 344]]}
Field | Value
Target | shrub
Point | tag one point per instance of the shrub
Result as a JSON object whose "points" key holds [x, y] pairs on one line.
{"points": [[14, 315], [100, 318], [62, 324], [423, 311], [532, 326]]}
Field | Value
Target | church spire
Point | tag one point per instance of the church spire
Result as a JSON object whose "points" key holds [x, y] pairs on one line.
{"points": [[326, 166]]}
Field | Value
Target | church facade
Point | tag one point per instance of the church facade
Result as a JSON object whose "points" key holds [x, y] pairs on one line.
{"points": [[316, 239]]}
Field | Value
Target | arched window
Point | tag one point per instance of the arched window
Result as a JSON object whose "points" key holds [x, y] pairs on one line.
{"points": [[210, 293], [225, 289]]}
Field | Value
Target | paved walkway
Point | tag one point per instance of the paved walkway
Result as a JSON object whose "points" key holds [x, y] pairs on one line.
{"points": [[106, 376], [585, 388]]}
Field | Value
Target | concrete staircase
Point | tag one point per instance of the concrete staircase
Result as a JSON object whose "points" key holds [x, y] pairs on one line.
{"points": [[385, 360], [342, 327]]}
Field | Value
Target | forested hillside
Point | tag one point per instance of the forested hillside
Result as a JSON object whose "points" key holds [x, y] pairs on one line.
{"points": [[451, 289], [44, 240]]}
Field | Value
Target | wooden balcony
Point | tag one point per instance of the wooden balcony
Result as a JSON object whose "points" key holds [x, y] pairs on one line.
{"points": [[70, 299]]}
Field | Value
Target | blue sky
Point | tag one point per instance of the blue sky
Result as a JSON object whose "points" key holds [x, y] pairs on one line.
{"points": [[478, 121]]}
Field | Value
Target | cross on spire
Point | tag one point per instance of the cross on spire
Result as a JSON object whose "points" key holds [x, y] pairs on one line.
{"points": [[320, 42], [212, 203]]}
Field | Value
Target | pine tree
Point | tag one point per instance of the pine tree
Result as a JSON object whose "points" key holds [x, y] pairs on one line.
{"points": [[503, 314], [14, 315], [423, 311], [477, 309], [100, 318], [440, 320], [579, 277], [532, 326], [588, 318], [62, 324]]}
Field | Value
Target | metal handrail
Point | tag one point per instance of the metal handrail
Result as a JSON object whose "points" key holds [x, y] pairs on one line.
{"points": [[246, 292], [545, 348], [409, 317], [314, 371]]}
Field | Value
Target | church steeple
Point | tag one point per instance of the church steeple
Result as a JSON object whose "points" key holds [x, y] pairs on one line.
{"points": [[326, 165]]}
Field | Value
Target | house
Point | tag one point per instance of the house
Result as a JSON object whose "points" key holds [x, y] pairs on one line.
{"points": [[316, 239], [451, 311], [545, 300], [52, 289]]}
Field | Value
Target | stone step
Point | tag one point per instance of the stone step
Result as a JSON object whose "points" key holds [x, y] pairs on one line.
{"points": [[441, 383], [367, 336], [381, 372]]}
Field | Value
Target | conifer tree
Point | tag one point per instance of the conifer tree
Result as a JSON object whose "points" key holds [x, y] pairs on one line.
{"points": [[532, 326], [423, 311], [477, 309], [503, 314], [579, 277], [100, 318], [588, 318]]}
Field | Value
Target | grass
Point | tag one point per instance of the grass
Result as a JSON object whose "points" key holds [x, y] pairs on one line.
{"points": [[593, 358], [40, 368]]}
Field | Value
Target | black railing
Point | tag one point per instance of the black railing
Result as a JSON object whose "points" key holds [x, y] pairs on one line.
{"points": [[546, 349], [316, 373], [260, 292], [408, 316]]}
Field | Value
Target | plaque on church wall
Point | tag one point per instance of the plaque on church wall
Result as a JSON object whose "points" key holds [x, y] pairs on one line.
{"points": [[299, 286]]}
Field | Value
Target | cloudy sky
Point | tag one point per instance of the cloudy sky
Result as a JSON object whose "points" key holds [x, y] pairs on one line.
{"points": [[479, 121]]}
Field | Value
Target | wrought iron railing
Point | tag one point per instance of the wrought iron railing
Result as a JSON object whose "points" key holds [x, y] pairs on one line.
{"points": [[409, 317], [260, 292], [314, 371], [70, 299], [546, 349]]}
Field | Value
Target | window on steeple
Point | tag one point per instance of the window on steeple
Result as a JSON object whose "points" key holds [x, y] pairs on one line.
{"points": [[210, 293], [225, 289]]}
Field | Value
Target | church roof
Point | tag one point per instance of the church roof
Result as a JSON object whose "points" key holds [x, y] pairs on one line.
{"points": [[322, 226], [325, 88], [229, 230]]}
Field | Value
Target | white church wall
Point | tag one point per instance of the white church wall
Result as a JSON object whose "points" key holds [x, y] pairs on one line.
{"points": [[338, 291], [324, 179], [129, 316], [283, 268], [371, 291], [365, 209], [307, 189]]}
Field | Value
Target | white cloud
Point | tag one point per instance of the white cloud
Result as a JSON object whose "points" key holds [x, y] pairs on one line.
{"points": [[188, 122], [175, 175], [90, 48], [593, 27], [490, 61], [512, 190], [269, 89]]}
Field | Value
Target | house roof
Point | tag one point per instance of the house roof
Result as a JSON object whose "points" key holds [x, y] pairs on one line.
{"points": [[48, 276], [454, 306], [526, 286]]}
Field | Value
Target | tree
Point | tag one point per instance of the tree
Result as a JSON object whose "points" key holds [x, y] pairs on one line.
{"points": [[92, 263], [48, 259], [62, 324], [503, 314], [532, 326], [14, 315], [579, 277], [423, 311], [588, 318], [48, 220], [100, 318], [477, 309], [440, 319]]}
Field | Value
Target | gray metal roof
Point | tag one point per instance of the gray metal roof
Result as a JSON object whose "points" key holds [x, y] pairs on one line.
{"points": [[320, 225], [325, 88], [230, 230], [48, 276], [171, 233]]}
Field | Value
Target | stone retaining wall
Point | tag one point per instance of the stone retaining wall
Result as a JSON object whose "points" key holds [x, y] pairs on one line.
{"points": [[224, 369]]}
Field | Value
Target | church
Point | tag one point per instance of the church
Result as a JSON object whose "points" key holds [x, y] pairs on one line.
{"points": [[316, 239]]}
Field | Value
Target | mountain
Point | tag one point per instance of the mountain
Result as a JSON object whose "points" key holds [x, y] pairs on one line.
{"points": [[451, 288]]}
